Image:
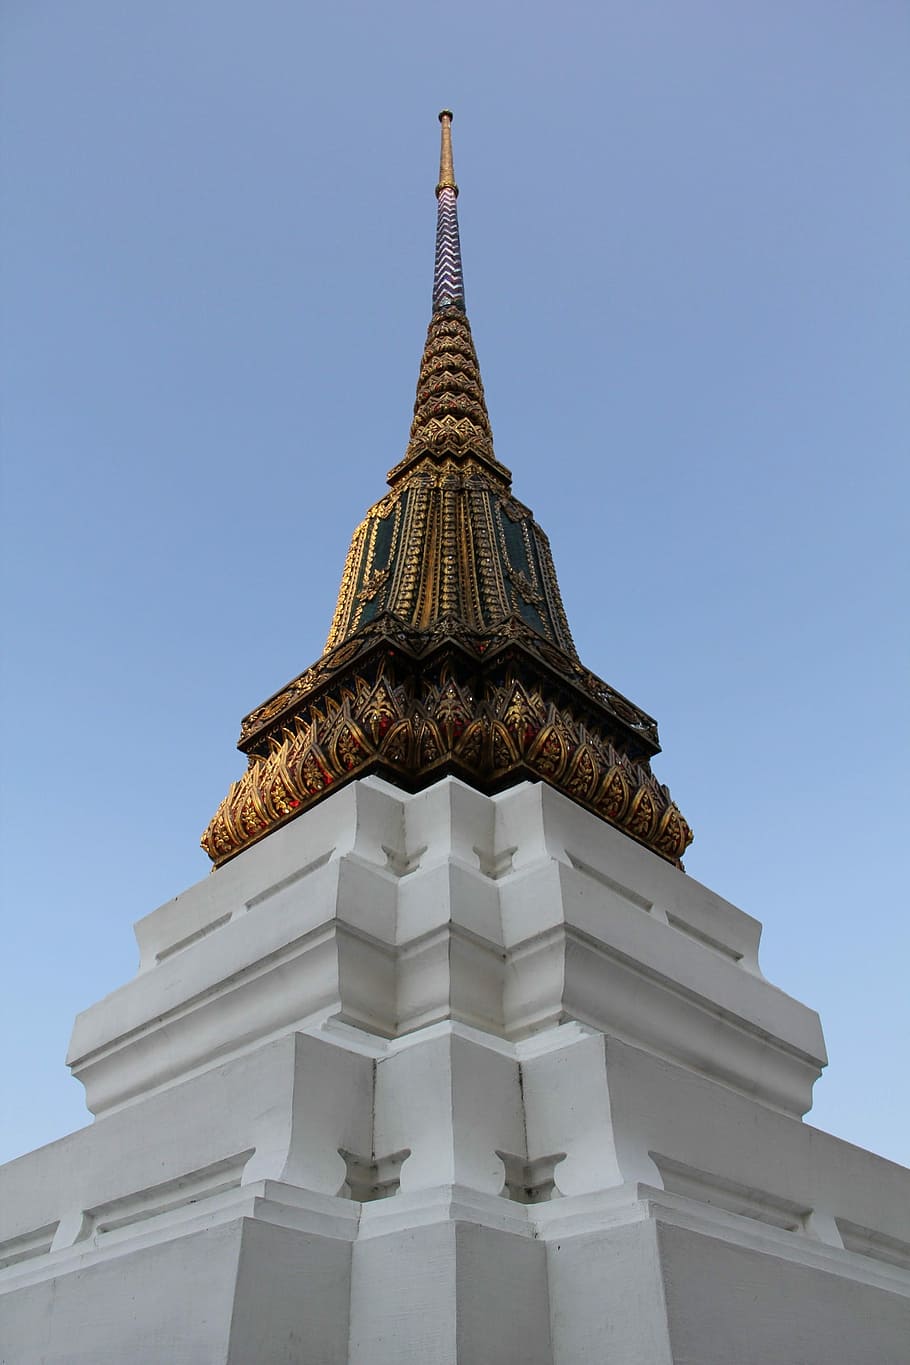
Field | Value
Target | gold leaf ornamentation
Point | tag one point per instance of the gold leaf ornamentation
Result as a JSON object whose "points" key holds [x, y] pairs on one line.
{"points": [[467, 713]]}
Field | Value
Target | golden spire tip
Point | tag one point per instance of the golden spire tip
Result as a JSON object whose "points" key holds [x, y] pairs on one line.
{"points": [[446, 170]]}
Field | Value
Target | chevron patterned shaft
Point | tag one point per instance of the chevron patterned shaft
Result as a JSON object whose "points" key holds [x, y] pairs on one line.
{"points": [[448, 281]]}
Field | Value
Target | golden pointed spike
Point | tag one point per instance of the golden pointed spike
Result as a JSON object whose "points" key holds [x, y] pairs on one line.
{"points": [[446, 169]]}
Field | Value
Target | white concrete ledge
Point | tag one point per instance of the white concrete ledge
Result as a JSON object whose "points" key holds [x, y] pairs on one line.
{"points": [[394, 911]]}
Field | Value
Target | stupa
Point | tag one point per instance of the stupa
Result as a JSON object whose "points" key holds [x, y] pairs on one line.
{"points": [[449, 651], [448, 1060]]}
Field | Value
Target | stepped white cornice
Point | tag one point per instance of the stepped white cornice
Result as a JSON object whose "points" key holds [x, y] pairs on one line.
{"points": [[394, 911]]}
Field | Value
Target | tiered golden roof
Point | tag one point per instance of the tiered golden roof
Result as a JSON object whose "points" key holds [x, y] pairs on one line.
{"points": [[449, 650]]}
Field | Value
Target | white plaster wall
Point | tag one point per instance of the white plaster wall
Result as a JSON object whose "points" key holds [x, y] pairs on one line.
{"points": [[606, 1299], [548, 1064], [291, 1300], [141, 1208], [727, 1304], [453, 1294], [403, 1301], [169, 1303]]}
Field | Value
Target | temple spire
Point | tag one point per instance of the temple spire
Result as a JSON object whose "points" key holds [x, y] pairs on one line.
{"points": [[448, 281], [450, 412], [449, 650]]}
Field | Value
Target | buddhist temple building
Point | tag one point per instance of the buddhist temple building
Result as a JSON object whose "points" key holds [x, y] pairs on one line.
{"points": [[448, 1060]]}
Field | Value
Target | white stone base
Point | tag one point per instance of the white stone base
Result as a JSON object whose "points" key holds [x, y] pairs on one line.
{"points": [[447, 1078]]}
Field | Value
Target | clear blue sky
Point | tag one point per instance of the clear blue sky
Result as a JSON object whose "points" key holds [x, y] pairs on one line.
{"points": [[685, 232]]}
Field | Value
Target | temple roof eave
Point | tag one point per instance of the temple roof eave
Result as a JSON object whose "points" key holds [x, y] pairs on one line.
{"points": [[511, 636]]}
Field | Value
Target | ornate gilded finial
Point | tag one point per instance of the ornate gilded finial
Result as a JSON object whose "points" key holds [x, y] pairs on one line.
{"points": [[448, 281], [446, 169]]}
